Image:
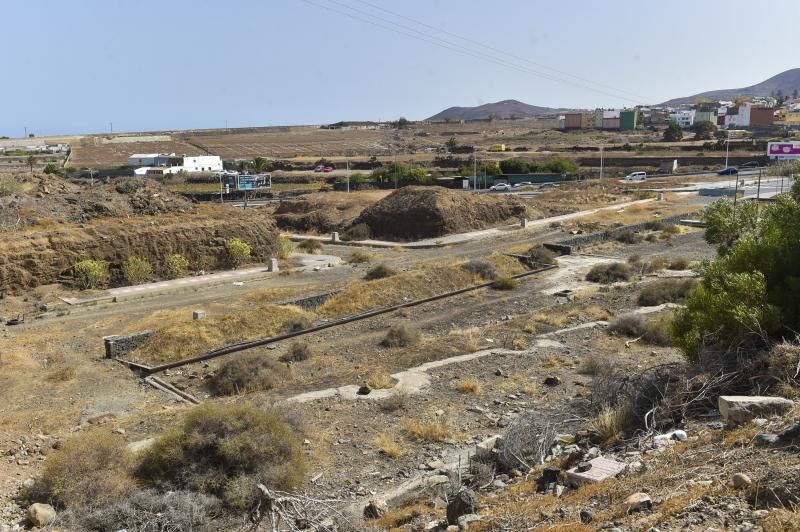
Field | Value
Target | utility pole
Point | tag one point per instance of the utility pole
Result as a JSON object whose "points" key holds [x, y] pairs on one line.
{"points": [[601, 163], [26, 132], [727, 150], [474, 174], [348, 174]]}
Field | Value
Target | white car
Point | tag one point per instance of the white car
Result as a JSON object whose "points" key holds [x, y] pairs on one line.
{"points": [[523, 184], [500, 187], [636, 176]]}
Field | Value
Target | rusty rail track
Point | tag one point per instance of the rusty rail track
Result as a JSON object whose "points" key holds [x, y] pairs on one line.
{"points": [[242, 346]]}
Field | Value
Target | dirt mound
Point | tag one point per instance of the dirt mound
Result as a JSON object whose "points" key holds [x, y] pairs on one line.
{"points": [[33, 257], [46, 199], [424, 212], [323, 212]]}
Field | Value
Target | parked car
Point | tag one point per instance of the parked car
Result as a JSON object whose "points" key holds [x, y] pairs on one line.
{"points": [[500, 187], [523, 184], [319, 168], [728, 171], [328, 169], [636, 176]]}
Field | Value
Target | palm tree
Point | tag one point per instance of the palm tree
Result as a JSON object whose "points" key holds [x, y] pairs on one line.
{"points": [[259, 165]]}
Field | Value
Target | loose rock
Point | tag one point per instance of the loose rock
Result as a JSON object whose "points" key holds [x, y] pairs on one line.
{"points": [[41, 514], [638, 502], [740, 481], [462, 503]]}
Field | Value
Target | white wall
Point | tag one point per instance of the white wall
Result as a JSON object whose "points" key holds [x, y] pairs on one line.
{"points": [[202, 163]]}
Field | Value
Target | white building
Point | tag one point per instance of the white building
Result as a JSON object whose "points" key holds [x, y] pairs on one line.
{"points": [[738, 116], [156, 163], [684, 117]]}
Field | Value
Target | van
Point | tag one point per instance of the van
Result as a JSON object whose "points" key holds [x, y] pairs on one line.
{"points": [[636, 176]]}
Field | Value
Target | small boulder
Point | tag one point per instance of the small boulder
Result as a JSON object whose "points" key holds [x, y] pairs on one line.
{"points": [[465, 520], [364, 389], [375, 509], [792, 433], [462, 503], [742, 408], [586, 516], [41, 514], [740, 481], [765, 439], [638, 502], [552, 380]]}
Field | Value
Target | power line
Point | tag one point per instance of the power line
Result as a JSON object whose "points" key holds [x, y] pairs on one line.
{"points": [[422, 36], [504, 52]]}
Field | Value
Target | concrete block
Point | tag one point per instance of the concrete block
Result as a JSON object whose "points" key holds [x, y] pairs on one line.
{"points": [[602, 469], [335, 236], [199, 315], [524, 222], [743, 408], [272, 265]]}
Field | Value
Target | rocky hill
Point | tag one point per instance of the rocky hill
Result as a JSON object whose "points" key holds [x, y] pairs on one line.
{"points": [[500, 110], [786, 82]]}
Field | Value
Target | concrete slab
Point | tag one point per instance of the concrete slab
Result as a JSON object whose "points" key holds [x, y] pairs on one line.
{"points": [[602, 469], [742, 408]]}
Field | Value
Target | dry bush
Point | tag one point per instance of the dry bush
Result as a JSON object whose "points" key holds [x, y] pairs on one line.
{"points": [[504, 283], [435, 430], [61, 374], [310, 246], [678, 263], [541, 256], [357, 232], [285, 248], [483, 268], [148, 510], [226, 452], [395, 401], [400, 335], [9, 185], [525, 442], [665, 291], [247, 373], [379, 271], [388, 446], [653, 331], [470, 385], [627, 236], [297, 352], [359, 257], [593, 364], [609, 273], [92, 468], [610, 423], [380, 382]]}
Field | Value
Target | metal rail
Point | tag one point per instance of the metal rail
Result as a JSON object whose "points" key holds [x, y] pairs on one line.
{"points": [[242, 346]]}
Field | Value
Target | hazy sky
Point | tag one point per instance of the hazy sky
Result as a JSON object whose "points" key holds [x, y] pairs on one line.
{"points": [[73, 66]]}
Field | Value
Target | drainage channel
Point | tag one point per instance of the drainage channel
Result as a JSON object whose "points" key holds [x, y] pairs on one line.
{"points": [[242, 346]]}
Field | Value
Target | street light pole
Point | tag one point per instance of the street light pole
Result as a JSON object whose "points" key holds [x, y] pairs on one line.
{"points": [[727, 149]]}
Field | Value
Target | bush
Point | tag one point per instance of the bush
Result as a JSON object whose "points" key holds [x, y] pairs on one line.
{"points": [[247, 373], [541, 256], [504, 283], [9, 185], [470, 386], [357, 232], [285, 249], [177, 266], [437, 430], [379, 271], [400, 335], [52, 168], [481, 267], [90, 273], [238, 251], [137, 270], [395, 401], [665, 291], [679, 263], [656, 332], [359, 257], [310, 246], [226, 452], [298, 351], [627, 237], [609, 273], [92, 468]]}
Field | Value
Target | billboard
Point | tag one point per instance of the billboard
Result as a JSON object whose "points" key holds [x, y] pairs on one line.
{"points": [[783, 150], [253, 182]]}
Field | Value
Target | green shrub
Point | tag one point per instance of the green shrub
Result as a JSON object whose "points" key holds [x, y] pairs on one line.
{"points": [[298, 351], [379, 271], [247, 373], [665, 291], [226, 452], [481, 267], [609, 273], [91, 468], [359, 257], [310, 246], [400, 335], [504, 283], [52, 168], [357, 232], [238, 251], [679, 263], [137, 270], [177, 266], [89, 273]]}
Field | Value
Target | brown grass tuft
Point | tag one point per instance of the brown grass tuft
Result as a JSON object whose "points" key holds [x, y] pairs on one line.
{"points": [[470, 385], [388, 446], [436, 430], [380, 382]]}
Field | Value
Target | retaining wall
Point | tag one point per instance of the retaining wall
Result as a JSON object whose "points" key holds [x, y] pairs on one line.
{"points": [[313, 301], [119, 345]]}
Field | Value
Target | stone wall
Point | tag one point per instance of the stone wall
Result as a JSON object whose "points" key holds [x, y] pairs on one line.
{"points": [[119, 345], [313, 301]]}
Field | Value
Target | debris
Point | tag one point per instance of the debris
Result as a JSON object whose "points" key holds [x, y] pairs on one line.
{"points": [[602, 469]]}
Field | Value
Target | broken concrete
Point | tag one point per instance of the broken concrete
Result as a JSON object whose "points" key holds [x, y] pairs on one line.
{"points": [[602, 469], [743, 408]]}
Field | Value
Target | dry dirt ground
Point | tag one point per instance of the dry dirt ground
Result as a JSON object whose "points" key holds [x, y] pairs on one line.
{"points": [[54, 377]]}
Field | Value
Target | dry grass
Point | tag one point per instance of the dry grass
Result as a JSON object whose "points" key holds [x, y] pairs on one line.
{"points": [[470, 336], [193, 337], [470, 386], [435, 430], [558, 316], [610, 422], [61, 374], [388, 446], [380, 382]]}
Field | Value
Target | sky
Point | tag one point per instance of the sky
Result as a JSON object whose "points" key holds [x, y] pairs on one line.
{"points": [[79, 66]]}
